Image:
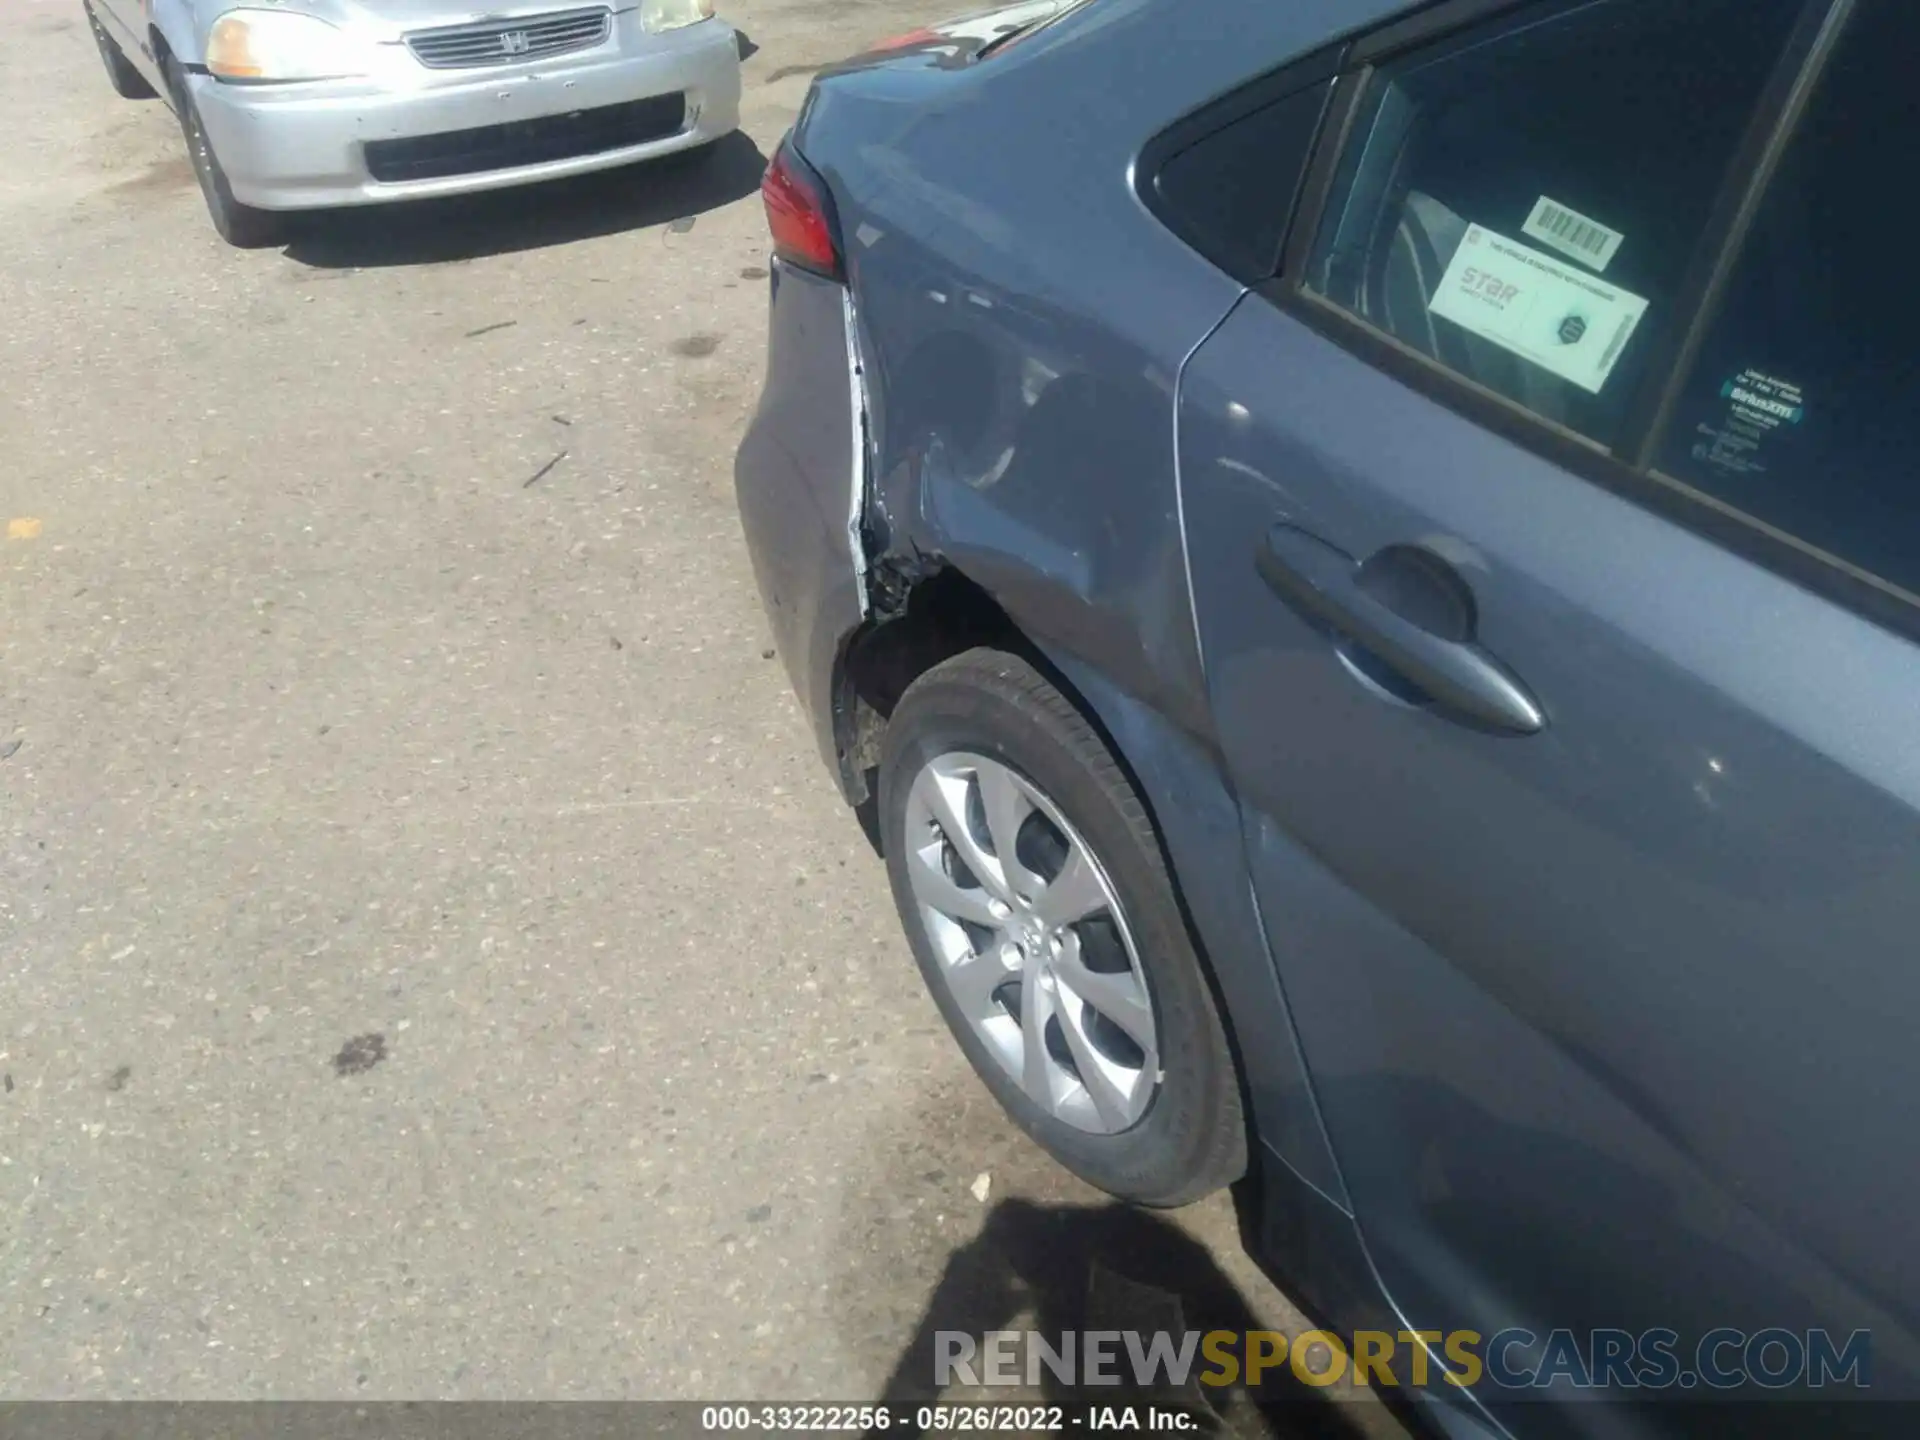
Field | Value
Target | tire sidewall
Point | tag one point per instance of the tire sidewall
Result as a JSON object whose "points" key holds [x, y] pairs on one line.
{"points": [[206, 167], [239, 225], [1152, 1160], [127, 82]]}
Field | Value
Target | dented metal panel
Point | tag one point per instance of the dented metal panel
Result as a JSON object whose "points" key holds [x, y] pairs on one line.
{"points": [[858, 451], [800, 479]]}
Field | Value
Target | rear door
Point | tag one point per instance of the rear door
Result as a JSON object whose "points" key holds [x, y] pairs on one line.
{"points": [[1553, 535]]}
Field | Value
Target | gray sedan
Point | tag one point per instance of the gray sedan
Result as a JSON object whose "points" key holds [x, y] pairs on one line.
{"points": [[321, 103], [1360, 561]]}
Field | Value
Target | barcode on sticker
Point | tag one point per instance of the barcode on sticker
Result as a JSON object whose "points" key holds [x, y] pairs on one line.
{"points": [[1572, 233]]}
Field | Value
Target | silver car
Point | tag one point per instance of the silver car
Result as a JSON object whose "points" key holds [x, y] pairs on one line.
{"points": [[310, 104]]}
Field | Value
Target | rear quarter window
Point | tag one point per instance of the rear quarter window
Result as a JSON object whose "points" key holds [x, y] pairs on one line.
{"points": [[1226, 180]]}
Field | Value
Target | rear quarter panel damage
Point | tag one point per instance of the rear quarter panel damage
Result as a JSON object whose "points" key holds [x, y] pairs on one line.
{"points": [[799, 480], [1023, 320]]}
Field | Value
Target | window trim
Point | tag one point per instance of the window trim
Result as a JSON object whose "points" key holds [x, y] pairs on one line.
{"points": [[1411, 32], [1627, 469]]}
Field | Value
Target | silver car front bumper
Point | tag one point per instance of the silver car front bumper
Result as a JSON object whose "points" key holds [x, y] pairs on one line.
{"points": [[299, 147]]}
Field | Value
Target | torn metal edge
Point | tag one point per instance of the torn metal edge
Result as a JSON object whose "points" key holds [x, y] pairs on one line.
{"points": [[857, 484]]}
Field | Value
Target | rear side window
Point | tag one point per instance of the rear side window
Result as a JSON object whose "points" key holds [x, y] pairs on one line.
{"points": [[1520, 201], [1802, 409], [1225, 181]]}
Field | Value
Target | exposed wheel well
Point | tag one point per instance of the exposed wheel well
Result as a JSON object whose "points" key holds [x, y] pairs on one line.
{"points": [[944, 614]]}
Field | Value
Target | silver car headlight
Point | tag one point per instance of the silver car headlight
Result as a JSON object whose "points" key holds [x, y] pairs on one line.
{"points": [[279, 45], [658, 15]]}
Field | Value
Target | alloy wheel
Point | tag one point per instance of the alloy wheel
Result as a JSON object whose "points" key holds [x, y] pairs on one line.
{"points": [[1032, 942]]}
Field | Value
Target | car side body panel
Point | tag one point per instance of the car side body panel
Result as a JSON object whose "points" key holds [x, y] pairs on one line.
{"points": [[133, 24], [1030, 335], [181, 25], [1020, 392], [798, 477], [1021, 375], [1199, 821], [1632, 980]]}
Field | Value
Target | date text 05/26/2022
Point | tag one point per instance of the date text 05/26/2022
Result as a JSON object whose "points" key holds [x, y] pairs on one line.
{"points": [[938, 1419]]}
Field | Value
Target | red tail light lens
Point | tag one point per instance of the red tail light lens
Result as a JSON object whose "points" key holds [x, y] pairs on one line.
{"points": [[798, 217], [901, 42]]}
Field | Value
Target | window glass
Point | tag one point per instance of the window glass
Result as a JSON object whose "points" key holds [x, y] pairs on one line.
{"points": [[1521, 201], [1803, 409], [1230, 194]]}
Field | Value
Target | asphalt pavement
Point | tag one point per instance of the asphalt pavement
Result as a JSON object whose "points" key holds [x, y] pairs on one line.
{"points": [[433, 961]]}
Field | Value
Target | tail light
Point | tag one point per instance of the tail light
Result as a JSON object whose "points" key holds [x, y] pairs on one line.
{"points": [[901, 42], [799, 215]]}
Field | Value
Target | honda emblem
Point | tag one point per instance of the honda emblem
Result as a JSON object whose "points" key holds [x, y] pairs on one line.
{"points": [[513, 42]]}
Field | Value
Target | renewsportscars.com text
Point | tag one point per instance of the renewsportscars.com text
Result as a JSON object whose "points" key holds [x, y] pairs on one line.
{"points": [[1659, 1359]]}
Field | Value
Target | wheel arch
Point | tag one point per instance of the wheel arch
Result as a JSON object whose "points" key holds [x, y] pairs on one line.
{"points": [[171, 32], [928, 619], [938, 611]]}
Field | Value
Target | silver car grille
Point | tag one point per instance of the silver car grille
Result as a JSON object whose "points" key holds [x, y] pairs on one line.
{"points": [[507, 42]]}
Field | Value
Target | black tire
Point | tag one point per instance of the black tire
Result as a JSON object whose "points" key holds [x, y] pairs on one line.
{"points": [[241, 226], [128, 83], [1191, 1140]]}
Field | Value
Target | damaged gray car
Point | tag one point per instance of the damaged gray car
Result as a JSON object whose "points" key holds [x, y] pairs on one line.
{"points": [[1358, 559]]}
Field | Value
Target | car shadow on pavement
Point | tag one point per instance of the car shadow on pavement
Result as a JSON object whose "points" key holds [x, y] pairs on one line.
{"points": [[1054, 1269], [676, 188]]}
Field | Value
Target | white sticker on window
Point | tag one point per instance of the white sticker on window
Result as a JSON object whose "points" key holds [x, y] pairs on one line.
{"points": [[1540, 308], [1572, 233]]}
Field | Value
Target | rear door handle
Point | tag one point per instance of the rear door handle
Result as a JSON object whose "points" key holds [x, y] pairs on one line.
{"points": [[1324, 584]]}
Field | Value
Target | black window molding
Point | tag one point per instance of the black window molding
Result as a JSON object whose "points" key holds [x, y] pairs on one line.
{"points": [[1227, 177]]}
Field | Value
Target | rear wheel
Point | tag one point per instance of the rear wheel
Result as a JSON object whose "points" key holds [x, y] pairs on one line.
{"points": [[128, 83], [239, 225], [1032, 888]]}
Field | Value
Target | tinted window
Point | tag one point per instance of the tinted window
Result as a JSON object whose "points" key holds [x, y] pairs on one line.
{"points": [[1520, 201], [1802, 410], [1230, 194]]}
